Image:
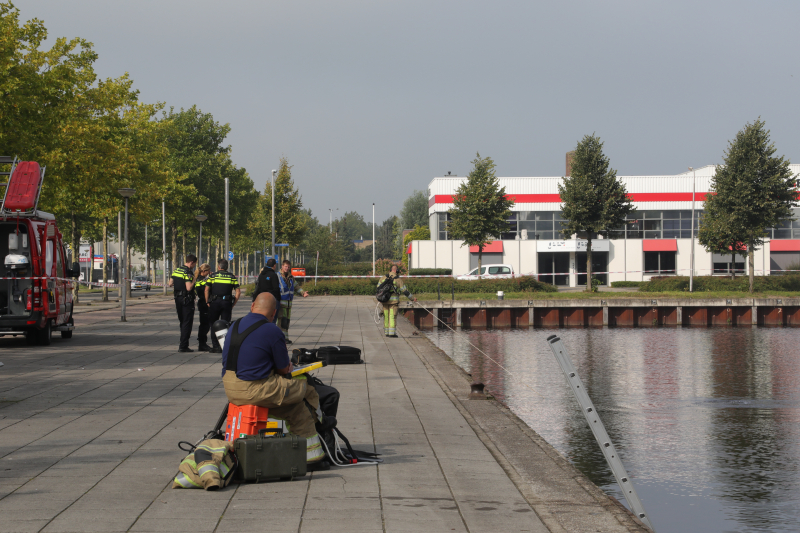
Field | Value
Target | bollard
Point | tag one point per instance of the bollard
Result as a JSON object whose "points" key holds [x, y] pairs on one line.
{"points": [[476, 392], [500, 295]]}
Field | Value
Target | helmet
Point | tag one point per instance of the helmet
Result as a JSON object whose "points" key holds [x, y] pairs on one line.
{"points": [[16, 262]]}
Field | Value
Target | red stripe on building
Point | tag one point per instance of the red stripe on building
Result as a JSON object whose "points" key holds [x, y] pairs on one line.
{"points": [[492, 247], [784, 245], [660, 245], [555, 199]]}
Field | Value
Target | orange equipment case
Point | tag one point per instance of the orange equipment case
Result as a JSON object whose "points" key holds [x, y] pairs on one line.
{"points": [[299, 272], [247, 420]]}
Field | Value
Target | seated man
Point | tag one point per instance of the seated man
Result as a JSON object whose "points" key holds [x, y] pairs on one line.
{"points": [[256, 370]]}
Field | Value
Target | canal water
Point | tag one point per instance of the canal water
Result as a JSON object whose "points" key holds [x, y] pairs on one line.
{"points": [[705, 420]]}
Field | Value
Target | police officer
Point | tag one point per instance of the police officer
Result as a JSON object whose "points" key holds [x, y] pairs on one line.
{"points": [[182, 282], [201, 278], [219, 295]]}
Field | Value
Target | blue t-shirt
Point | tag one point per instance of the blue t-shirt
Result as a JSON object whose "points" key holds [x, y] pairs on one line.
{"points": [[262, 351]]}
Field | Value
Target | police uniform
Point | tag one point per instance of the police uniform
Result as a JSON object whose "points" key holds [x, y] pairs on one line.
{"points": [[220, 301], [202, 308], [184, 302]]}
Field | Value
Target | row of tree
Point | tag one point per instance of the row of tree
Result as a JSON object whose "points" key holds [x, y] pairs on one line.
{"points": [[752, 190]]}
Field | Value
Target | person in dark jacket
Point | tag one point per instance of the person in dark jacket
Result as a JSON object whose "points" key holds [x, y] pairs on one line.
{"points": [[268, 282]]}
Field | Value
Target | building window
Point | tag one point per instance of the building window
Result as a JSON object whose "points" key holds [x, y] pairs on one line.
{"points": [[658, 225], [443, 219], [725, 264], [544, 225], [659, 263], [788, 229]]}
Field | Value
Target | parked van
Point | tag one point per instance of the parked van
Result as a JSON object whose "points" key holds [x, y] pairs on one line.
{"points": [[35, 289], [490, 272]]}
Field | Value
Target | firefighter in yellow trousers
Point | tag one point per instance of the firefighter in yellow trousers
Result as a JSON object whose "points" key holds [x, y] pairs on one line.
{"points": [[390, 307]]}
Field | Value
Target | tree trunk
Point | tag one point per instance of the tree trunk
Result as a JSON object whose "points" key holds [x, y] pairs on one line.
{"points": [[173, 227], [120, 255], [751, 256], [589, 262], [105, 258], [480, 260], [733, 262], [75, 244], [208, 255], [183, 246]]}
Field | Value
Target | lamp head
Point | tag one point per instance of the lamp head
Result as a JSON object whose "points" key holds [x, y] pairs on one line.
{"points": [[126, 193], [201, 218]]}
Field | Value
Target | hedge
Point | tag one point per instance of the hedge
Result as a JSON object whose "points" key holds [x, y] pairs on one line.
{"points": [[626, 283], [430, 272], [367, 287], [720, 284]]}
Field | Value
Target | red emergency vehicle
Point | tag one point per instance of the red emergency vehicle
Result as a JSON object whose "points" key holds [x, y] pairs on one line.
{"points": [[35, 284]]}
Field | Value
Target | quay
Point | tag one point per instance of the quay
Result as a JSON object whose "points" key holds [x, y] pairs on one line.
{"points": [[599, 312], [89, 428]]}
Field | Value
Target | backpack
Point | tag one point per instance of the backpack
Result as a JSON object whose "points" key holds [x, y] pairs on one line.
{"points": [[385, 290]]}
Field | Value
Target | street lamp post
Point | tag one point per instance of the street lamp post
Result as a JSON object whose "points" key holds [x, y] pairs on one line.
{"points": [[125, 193], [373, 238], [225, 255], [164, 245], [200, 219], [272, 224], [691, 252]]}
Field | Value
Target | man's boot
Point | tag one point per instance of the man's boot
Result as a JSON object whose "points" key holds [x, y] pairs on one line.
{"points": [[203, 347]]}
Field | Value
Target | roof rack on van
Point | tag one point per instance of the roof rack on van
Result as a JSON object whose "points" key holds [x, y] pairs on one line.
{"points": [[23, 189]]}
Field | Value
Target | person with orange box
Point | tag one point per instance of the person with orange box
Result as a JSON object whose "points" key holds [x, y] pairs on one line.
{"points": [[257, 371]]}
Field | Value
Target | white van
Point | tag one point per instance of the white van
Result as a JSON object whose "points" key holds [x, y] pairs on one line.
{"points": [[490, 272]]}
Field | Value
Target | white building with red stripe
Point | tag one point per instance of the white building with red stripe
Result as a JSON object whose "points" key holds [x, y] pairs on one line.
{"points": [[656, 240]]}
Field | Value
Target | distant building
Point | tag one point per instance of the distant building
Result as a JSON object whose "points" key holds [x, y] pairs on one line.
{"points": [[655, 241]]}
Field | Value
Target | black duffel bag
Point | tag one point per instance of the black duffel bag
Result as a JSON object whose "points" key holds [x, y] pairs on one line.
{"points": [[339, 355]]}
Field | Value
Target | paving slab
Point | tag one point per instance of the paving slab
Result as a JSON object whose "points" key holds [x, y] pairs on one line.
{"points": [[89, 428]]}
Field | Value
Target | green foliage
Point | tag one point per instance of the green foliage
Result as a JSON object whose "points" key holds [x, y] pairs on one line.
{"points": [[593, 199], [419, 233], [752, 190], [384, 266], [384, 237], [480, 208], [415, 210], [622, 284], [721, 283], [430, 272], [340, 269], [526, 284]]}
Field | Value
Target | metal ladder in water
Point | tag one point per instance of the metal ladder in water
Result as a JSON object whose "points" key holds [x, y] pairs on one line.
{"points": [[598, 429]]}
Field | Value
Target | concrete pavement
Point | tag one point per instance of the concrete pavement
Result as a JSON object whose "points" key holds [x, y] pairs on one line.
{"points": [[89, 429]]}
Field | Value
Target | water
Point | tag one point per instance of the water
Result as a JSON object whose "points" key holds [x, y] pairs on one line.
{"points": [[705, 420]]}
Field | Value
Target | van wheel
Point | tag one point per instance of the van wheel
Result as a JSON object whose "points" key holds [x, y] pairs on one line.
{"points": [[45, 335], [67, 334]]}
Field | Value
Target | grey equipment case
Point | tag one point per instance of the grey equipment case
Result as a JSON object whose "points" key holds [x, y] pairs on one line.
{"points": [[260, 457]]}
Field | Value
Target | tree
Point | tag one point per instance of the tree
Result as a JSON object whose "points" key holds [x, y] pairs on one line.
{"points": [[480, 208], [384, 237], [752, 190], [419, 233], [415, 210], [593, 199], [719, 234]]}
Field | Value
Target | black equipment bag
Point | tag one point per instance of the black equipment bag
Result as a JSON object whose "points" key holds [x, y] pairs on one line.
{"points": [[385, 290], [339, 355], [261, 457]]}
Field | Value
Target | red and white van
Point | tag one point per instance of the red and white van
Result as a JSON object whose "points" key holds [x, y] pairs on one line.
{"points": [[35, 285]]}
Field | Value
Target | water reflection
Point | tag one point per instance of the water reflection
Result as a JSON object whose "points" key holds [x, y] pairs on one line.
{"points": [[706, 420]]}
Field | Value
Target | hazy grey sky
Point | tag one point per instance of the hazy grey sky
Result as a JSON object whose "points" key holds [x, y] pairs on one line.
{"points": [[371, 99]]}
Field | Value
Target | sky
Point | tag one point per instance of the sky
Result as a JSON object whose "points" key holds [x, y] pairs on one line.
{"points": [[370, 100]]}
